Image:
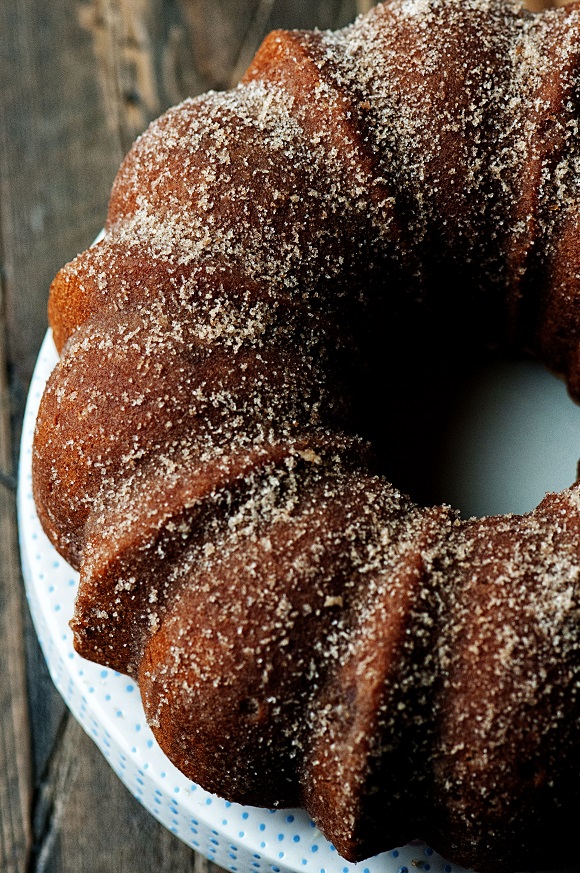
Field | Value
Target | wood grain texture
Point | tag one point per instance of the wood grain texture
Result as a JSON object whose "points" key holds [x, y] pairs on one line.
{"points": [[79, 80], [15, 780], [152, 54]]}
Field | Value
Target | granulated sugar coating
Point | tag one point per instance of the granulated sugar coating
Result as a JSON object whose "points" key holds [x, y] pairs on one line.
{"points": [[302, 632]]}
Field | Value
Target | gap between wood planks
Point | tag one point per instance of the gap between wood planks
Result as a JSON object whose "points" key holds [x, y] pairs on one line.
{"points": [[50, 801]]}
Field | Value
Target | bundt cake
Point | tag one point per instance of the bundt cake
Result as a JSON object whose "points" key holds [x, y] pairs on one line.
{"points": [[208, 449]]}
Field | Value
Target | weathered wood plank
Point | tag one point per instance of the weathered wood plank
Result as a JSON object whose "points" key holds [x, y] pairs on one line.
{"points": [[15, 765], [150, 54]]}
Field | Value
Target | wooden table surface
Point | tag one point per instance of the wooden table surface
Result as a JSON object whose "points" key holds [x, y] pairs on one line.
{"points": [[79, 79]]}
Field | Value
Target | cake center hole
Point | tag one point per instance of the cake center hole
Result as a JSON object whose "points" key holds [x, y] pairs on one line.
{"points": [[490, 443]]}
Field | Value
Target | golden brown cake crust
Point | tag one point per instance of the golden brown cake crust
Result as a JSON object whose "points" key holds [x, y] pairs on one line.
{"points": [[303, 632]]}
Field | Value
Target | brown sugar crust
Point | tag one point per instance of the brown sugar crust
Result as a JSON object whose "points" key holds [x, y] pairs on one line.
{"points": [[303, 632]]}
